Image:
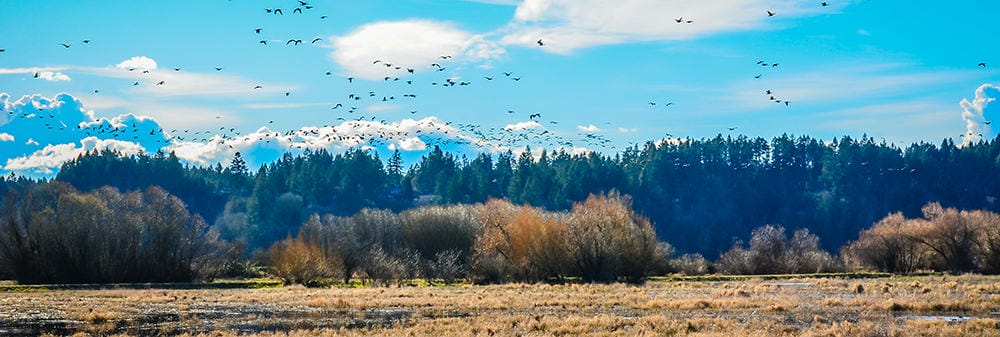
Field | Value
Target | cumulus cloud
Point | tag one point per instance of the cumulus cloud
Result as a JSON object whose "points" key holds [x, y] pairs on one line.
{"points": [[413, 44], [522, 126], [48, 129], [566, 25], [588, 128], [977, 113], [265, 145], [52, 156], [138, 62]]}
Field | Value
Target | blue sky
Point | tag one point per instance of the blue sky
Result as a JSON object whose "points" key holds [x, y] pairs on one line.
{"points": [[147, 78]]}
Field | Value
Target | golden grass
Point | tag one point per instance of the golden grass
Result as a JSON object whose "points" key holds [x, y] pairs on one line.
{"points": [[794, 307]]}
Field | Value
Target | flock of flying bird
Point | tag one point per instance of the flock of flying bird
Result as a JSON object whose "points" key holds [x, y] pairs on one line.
{"points": [[365, 130]]}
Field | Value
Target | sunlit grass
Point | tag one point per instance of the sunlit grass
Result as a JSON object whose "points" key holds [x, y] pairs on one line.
{"points": [[791, 306]]}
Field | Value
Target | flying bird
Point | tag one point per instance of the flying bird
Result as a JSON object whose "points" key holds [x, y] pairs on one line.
{"points": [[316, 40], [982, 64], [297, 10], [770, 13], [64, 45], [263, 42], [540, 43], [258, 30], [86, 41], [218, 68], [824, 4], [296, 42]]}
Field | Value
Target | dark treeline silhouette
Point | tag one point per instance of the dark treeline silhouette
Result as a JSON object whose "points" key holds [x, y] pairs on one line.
{"points": [[52, 233], [700, 195]]}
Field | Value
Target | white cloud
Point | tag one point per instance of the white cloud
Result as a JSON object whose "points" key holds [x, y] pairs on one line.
{"points": [[49, 158], [413, 44], [155, 82], [44, 143], [588, 128], [627, 130], [53, 76], [412, 144], [976, 113], [265, 145], [566, 25], [45, 73], [138, 62], [522, 126]]}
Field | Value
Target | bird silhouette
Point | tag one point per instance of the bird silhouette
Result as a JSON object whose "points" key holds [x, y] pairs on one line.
{"points": [[824, 4], [982, 64], [297, 10], [258, 30], [64, 45], [770, 13], [316, 40], [296, 42], [218, 68], [540, 43]]}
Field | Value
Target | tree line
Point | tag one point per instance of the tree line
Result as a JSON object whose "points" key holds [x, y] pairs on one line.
{"points": [[52, 233], [710, 191], [702, 195]]}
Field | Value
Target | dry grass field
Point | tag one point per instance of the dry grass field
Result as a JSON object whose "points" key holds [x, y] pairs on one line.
{"points": [[918, 306]]}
